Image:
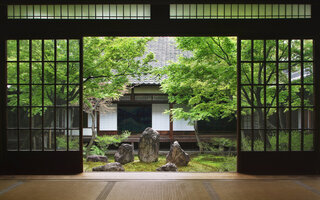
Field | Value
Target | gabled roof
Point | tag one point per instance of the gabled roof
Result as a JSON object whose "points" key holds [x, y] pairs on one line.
{"points": [[165, 52]]}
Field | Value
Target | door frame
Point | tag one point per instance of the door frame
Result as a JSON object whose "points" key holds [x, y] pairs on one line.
{"points": [[52, 161], [159, 25], [280, 162]]}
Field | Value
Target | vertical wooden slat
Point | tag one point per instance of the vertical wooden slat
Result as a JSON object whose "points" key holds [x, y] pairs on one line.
{"points": [[81, 102], [55, 96], [42, 93], [290, 95], [68, 53], [3, 100], [277, 97], [316, 78], [18, 96], [252, 97], [238, 103], [302, 95], [265, 95], [30, 90]]}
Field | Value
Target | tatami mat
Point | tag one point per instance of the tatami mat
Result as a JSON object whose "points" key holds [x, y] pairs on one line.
{"points": [[4, 184], [307, 188], [312, 183], [159, 190], [55, 190], [262, 190]]}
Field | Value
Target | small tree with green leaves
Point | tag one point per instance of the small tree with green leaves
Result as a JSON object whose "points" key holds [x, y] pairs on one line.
{"points": [[111, 61]]}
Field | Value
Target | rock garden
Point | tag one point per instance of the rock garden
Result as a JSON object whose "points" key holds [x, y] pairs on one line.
{"points": [[148, 158]]}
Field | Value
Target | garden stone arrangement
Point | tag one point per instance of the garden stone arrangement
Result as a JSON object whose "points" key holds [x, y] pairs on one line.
{"points": [[148, 153], [115, 166], [177, 155], [124, 154], [149, 146], [97, 158], [169, 167]]}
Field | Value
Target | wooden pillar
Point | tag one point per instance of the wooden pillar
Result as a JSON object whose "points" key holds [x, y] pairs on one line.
{"points": [[171, 124], [132, 94], [98, 122], [3, 90]]}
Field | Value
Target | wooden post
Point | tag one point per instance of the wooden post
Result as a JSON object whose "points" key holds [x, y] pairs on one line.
{"points": [[50, 138], [132, 94], [98, 122], [171, 124]]}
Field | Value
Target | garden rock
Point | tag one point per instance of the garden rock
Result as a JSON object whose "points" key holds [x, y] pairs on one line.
{"points": [[124, 154], [115, 166], [149, 146], [177, 155], [97, 158], [169, 167]]}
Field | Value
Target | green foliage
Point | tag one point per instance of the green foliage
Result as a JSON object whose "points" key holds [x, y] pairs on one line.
{"points": [[204, 82], [219, 144], [110, 61], [95, 150], [258, 144], [103, 142], [62, 142]]}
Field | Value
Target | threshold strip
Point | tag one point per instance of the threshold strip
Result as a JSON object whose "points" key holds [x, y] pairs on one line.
{"points": [[312, 189], [11, 187], [106, 191], [211, 191]]}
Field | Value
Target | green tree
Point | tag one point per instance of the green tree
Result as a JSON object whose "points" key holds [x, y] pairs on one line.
{"points": [[109, 62], [206, 82]]}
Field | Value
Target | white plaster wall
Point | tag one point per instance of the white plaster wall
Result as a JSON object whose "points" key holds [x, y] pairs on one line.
{"points": [[160, 121], [181, 125], [90, 121], [108, 121], [85, 132]]}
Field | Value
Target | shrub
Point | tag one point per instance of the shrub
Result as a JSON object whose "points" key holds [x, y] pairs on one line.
{"points": [[219, 144], [258, 144], [103, 142], [62, 142]]}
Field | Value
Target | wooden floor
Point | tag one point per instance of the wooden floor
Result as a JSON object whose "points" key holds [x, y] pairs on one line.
{"points": [[156, 186]]}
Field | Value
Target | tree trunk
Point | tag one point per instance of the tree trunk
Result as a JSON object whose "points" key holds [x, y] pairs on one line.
{"points": [[197, 136], [261, 135], [281, 123], [94, 133]]}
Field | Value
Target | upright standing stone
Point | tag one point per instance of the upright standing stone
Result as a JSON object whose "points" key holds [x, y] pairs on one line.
{"points": [[124, 154], [149, 146], [177, 155]]}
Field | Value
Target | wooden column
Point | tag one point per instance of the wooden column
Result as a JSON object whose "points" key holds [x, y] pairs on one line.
{"points": [[132, 94], [98, 122], [171, 124]]}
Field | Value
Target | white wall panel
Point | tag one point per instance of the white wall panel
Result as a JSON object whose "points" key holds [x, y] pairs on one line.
{"points": [[160, 121], [108, 121], [181, 125]]}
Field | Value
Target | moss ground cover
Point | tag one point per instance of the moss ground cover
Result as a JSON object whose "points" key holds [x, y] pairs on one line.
{"points": [[198, 163]]}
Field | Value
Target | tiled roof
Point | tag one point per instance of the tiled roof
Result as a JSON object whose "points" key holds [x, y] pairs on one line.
{"points": [[165, 52]]}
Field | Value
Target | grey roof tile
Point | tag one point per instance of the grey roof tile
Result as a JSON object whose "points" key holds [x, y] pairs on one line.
{"points": [[165, 52]]}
